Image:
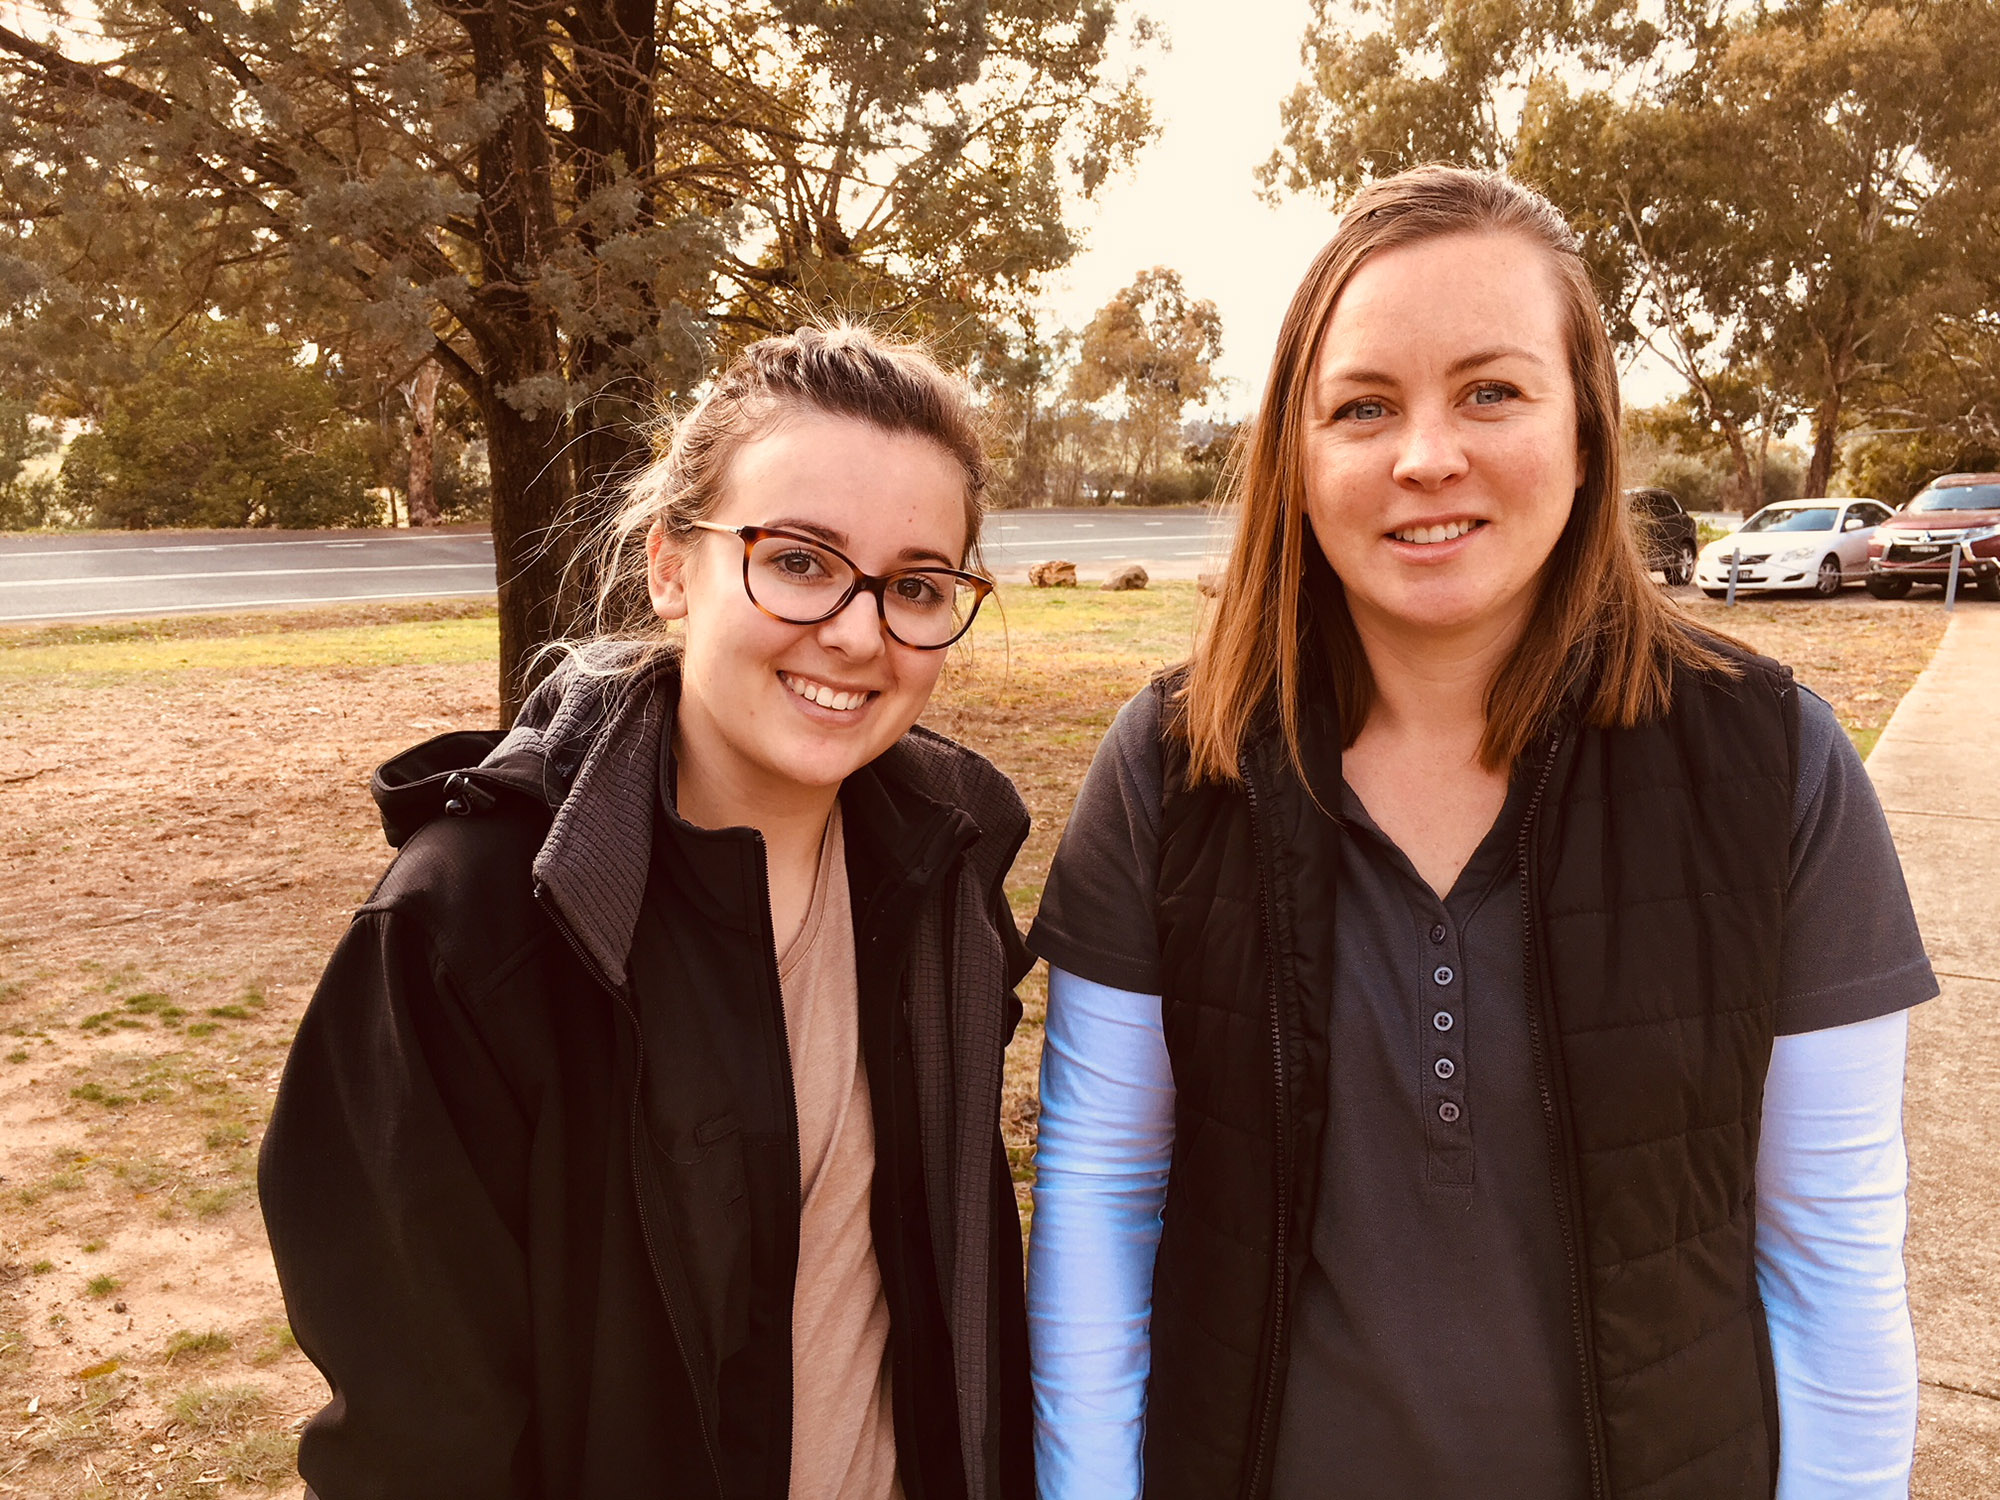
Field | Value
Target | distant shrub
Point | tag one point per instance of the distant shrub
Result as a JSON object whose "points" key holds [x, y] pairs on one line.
{"points": [[225, 429]]}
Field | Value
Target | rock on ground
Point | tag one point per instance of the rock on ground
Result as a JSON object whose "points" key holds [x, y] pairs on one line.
{"points": [[1053, 574]]}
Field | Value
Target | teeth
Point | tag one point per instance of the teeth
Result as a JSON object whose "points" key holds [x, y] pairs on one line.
{"points": [[1426, 535], [820, 693]]}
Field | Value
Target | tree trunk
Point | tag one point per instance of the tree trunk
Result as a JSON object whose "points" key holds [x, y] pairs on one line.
{"points": [[423, 423], [1826, 443], [531, 495]]}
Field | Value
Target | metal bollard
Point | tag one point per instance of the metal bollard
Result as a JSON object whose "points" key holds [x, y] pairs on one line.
{"points": [[1735, 563], [1951, 582]]}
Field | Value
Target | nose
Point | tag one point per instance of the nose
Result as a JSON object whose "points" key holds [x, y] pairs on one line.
{"points": [[1430, 453], [856, 630]]}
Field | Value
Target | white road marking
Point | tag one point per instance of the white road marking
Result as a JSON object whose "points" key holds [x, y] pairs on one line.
{"points": [[206, 609], [474, 536], [49, 583]]}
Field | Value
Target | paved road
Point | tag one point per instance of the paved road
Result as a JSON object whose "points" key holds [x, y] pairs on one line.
{"points": [[1933, 768], [52, 579]]}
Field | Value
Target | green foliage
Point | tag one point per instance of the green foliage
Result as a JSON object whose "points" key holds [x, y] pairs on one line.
{"points": [[27, 500], [1892, 468], [1784, 201], [1150, 351], [225, 429], [573, 209]]}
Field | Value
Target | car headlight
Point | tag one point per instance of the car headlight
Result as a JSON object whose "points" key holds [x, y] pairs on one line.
{"points": [[1984, 533]]}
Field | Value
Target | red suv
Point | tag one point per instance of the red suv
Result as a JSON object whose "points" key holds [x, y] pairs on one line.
{"points": [[1953, 513]]}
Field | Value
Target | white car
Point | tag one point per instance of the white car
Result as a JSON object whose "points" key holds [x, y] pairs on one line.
{"points": [[1795, 544]]}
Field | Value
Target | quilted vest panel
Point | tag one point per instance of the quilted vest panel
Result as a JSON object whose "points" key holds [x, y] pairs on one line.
{"points": [[1657, 872]]}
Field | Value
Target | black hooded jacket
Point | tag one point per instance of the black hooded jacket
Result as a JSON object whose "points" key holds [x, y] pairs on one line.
{"points": [[531, 1182]]}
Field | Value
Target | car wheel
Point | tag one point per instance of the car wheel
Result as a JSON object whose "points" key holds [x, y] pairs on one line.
{"points": [[1680, 567], [1827, 584], [1883, 587], [1989, 587]]}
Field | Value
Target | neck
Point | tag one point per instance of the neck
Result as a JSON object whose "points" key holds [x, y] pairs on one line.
{"points": [[1432, 684], [792, 818]]}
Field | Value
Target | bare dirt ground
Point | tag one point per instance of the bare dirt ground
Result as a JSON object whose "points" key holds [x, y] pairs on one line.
{"points": [[182, 837]]}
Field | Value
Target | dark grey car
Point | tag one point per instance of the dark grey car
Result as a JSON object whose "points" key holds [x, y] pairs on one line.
{"points": [[1667, 533]]}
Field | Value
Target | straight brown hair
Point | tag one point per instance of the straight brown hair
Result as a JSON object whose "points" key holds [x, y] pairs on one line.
{"points": [[1599, 628]]}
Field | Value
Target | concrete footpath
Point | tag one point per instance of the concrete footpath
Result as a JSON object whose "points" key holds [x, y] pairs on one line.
{"points": [[1937, 769]]}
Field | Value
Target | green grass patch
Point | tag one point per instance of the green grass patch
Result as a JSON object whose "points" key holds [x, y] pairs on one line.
{"points": [[209, 1202], [229, 1012], [264, 1458], [184, 1344], [212, 1409], [96, 1093], [157, 1006], [277, 1346], [1082, 626], [225, 1136], [102, 1286], [411, 643]]}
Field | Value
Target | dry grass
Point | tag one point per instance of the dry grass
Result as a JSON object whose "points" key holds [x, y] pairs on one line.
{"points": [[185, 827]]}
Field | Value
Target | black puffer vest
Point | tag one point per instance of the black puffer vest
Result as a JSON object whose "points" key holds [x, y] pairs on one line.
{"points": [[1655, 863]]}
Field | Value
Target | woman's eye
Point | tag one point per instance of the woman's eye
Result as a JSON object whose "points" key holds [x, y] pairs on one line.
{"points": [[799, 564], [1365, 409], [1492, 395], [914, 588]]}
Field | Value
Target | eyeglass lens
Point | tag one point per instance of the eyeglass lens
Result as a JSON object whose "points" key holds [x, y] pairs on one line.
{"points": [[801, 583]]}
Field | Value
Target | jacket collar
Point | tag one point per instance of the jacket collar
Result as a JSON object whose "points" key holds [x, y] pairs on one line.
{"points": [[600, 727]]}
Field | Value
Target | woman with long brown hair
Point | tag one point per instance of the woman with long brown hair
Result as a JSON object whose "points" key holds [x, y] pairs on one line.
{"points": [[1478, 994]]}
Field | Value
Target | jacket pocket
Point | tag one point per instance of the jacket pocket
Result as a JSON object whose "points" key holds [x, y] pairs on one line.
{"points": [[703, 1176]]}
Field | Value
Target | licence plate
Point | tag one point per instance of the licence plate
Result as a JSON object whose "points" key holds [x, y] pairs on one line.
{"points": [[1918, 551]]}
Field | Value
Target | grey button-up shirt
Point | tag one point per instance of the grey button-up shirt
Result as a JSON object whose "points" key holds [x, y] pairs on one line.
{"points": [[1432, 1326]]}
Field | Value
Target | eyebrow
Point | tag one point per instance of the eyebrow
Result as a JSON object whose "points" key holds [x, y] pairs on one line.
{"points": [[1458, 366], [838, 539]]}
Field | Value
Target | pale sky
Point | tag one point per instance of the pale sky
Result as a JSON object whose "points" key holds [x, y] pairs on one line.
{"points": [[1191, 201]]}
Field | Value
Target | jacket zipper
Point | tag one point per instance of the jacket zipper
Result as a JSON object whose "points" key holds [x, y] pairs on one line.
{"points": [[1558, 1179], [624, 1000], [1282, 1154], [777, 996]]}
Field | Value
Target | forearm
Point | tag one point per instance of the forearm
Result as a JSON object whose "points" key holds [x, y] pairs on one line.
{"points": [[1101, 1176], [1831, 1179]]}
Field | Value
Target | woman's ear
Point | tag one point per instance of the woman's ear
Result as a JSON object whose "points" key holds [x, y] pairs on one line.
{"points": [[665, 584]]}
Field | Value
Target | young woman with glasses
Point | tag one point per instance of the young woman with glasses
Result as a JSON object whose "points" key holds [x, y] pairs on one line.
{"points": [[1476, 1023], [642, 1138]]}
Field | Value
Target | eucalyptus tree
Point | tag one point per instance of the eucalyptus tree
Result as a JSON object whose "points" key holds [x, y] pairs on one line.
{"points": [[570, 205], [1763, 189]]}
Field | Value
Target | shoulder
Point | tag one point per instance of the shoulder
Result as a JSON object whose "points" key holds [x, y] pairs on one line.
{"points": [[463, 888], [946, 771], [1744, 670]]}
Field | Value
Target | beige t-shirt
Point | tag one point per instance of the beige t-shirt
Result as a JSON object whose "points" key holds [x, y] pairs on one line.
{"points": [[843, 1432]]}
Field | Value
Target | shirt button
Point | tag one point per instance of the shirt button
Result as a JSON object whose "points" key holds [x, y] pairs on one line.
{"points": [[1437, 932], [1444, 1067], [1442, 1020], [1442, 974], [1448, 1112]]}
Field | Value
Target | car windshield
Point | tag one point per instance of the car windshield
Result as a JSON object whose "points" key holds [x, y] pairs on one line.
{"points": [[1785, 518], [1959, 497]]}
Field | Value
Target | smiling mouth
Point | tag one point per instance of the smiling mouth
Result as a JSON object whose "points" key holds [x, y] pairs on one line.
{"points": [[822, 695], [1428, 536]]}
